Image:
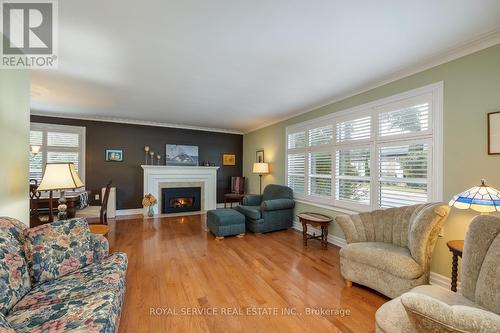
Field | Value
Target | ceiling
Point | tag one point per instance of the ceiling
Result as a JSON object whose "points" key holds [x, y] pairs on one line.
{"points": [[238, 65]]}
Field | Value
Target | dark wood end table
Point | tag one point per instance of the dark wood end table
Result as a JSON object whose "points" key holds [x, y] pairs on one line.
{"points": [[233, 197], [456, 248], [315, 220]]}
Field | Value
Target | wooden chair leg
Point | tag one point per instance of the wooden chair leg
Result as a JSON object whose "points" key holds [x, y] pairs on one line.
{"points": [[348, 283]]}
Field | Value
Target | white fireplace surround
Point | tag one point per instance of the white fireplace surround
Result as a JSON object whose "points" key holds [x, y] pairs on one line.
{"points": [[158, 177]]}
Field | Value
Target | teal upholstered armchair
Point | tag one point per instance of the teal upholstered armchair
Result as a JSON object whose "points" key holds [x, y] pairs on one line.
{"points": [[270, 211]]}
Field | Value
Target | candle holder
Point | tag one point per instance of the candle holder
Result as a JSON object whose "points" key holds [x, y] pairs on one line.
{"points": [[152, 155], [158, 159], [146, 151]]}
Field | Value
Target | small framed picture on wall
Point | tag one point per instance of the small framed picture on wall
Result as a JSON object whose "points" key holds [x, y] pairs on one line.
{"points": [[114, 155], [259, 156], [494, 133]]}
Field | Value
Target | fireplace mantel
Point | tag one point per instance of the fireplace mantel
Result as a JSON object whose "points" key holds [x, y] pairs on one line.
{"points": [[157, 177]]}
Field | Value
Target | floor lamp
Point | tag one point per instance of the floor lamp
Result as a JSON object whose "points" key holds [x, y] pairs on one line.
{"points": [[260, 169], [61, 177]]}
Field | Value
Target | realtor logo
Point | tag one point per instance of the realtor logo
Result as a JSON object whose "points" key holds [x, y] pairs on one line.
{"points": [[29, 34]]}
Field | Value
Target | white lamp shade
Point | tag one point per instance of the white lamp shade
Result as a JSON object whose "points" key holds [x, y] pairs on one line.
{"points": [[34, 149], [60, 176], [260, 168]]}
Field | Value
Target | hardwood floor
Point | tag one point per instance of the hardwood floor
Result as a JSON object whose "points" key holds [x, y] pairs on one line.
{"points": [[176, 266]]}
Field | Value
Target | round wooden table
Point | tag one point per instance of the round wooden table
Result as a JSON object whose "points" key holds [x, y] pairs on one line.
{"points": [[315, 220], [456, 248], [99, 229]]}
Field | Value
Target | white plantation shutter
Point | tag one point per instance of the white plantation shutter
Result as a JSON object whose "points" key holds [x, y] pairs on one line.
{"points": [[59, 144], [386, 153], [411, 116], [357, 129], [353, 175], [296, 172], [403, 174], [321, 135], [61, 139], [320, 174], [297, 140]]}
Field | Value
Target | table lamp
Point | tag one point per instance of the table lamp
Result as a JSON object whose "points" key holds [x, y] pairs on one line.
{"points": [[260, 169], [482, 198], [59, 176]]}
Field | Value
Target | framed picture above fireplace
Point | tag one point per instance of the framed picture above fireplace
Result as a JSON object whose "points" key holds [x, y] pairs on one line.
{"points": [[181, 155]]}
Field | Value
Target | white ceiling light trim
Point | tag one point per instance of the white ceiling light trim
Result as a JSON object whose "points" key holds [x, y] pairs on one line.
{"points": [[484, 41]]}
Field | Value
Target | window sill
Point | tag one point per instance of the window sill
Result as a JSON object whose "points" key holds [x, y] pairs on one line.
{"points": [[326, 206]]}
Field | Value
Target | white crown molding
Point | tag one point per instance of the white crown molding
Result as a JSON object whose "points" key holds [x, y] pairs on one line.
{"points": [[134, 122], [477, 44]]}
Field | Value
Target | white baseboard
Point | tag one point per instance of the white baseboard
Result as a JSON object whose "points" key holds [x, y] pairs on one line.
{"points": [[123, 212], [443, 281], [434, 279]]}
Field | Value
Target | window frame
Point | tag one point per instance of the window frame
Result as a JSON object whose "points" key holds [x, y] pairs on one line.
{"points": [[45, 149], [433, 136]]}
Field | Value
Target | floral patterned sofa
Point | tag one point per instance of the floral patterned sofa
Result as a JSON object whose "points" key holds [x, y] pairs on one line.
{"points": [[58, 277]]}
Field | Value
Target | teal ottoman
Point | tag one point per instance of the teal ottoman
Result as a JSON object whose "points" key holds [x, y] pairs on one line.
{"points": [[226, 222]]}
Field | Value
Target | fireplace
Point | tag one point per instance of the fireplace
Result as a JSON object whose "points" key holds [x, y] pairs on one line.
{"points": [[181, 199]]}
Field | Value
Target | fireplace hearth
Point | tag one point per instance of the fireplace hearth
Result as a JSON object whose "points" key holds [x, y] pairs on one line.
{"points": [[181, 199]]}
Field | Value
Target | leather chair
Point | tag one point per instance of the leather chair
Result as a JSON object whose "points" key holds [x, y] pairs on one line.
{"points": [[273, 210]]}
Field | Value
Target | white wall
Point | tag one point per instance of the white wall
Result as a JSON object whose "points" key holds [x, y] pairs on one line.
{"points": [[14, 143]]}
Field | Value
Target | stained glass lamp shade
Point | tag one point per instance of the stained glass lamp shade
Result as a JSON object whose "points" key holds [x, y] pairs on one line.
{"points": [[480, 198]]}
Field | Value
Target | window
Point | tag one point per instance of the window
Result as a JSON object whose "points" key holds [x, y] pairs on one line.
{"points": [[59, 143], [382, 154]]}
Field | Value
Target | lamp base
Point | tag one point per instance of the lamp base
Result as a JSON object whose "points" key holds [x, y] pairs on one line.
{"points": [[62, 208]]}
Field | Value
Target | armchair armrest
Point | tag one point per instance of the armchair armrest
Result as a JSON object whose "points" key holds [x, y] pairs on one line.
{"points": [[277, 204], [347, 225], [424, 231], [100, 246], [252, 200], [433, 315]]}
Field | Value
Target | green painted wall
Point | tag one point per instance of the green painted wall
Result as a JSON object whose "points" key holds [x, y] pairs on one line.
{"points": [[14, 143], [471, 90]]}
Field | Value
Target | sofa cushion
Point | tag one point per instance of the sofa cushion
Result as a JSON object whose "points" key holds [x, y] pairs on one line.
{"points": [[14, 276], [89, 299], [252, 212], [5, 326], [59, 248], [395, 260]]}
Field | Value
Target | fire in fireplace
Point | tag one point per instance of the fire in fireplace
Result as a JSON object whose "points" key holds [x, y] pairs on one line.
{"points": [[181, 199]]}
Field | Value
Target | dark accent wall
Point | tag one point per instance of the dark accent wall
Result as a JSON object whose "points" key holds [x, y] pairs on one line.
{"points": [[127, 176]]}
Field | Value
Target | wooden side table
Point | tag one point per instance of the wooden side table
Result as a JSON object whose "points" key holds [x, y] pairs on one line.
{"points": [[456, 248], [315, 220], [232, 197]]}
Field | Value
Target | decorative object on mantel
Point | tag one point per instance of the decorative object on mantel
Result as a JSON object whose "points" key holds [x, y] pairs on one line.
{"points": [[259, 156], [260, 169], [146, 151], [208, 164], [229, 159], [152, 155], [114, 155], [60, 176], [494, 133], [181, 155], [158, 159], [148, 202]]}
